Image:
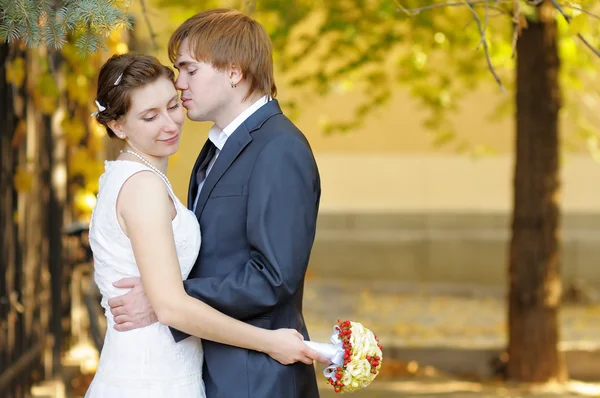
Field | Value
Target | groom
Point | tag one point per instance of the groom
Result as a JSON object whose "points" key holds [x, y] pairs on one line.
{"points": [[255, 189]]}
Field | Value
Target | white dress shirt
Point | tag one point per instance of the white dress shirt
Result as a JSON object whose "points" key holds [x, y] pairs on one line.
{"points": [[219, 137]]}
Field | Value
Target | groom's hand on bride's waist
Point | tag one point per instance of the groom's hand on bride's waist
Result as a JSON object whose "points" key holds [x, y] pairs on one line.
{"points": [[131, 310]]}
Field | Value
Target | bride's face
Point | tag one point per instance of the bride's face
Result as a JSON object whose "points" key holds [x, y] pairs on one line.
{"points": [[153, 124]]}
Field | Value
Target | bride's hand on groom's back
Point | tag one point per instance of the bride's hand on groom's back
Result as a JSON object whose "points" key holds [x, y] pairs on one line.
{"points": [[131, 310], [287, 346]]}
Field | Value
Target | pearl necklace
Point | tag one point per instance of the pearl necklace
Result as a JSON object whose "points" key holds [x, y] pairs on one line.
{"points": [[147, 163]]}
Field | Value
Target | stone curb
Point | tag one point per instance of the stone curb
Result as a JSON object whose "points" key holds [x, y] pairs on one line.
{"points": [[582, 364]]}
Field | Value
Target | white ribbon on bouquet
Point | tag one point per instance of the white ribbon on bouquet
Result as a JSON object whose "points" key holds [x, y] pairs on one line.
{"points": [[334, 352]]}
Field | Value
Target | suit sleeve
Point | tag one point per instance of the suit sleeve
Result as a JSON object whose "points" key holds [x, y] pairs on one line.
{"points": [[283, 200]]}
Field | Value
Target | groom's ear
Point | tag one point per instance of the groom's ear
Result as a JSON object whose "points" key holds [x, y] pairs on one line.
{"points": [[235, 74]]}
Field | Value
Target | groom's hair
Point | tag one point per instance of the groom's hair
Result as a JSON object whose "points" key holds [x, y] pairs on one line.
{"points": [[223, 37]]}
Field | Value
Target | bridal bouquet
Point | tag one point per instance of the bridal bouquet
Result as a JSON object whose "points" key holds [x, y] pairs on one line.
{"points": [[355, 355]]}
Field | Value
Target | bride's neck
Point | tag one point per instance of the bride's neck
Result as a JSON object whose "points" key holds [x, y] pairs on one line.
{"points": [[160, 162]]}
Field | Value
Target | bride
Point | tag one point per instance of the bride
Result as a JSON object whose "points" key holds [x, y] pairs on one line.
{"points": [[140, 228]]}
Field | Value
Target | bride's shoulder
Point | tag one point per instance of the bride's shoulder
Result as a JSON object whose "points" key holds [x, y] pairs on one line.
{"points": [[143, 182], [125, 177]]}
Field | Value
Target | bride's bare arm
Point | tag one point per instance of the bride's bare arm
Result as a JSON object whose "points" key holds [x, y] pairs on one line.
{"points": [[145, 210]]}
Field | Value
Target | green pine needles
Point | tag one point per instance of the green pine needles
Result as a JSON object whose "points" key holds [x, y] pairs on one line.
{"points": [[53, 22]]}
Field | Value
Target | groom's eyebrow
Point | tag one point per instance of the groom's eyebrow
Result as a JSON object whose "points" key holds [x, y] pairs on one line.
{"points": [[181, 64]]}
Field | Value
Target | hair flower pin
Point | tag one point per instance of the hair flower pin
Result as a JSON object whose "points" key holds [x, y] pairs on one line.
{"points": [[100, 109]]}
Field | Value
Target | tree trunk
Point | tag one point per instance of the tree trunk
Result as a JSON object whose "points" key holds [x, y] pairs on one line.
{"points": [[8, 206], [24, 292], [534, 276]]}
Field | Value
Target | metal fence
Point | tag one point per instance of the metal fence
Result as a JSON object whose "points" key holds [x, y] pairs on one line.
{"points": [[30, 348]]}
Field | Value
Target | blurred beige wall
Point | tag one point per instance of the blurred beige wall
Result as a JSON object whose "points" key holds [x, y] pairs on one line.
{"points": [[394, 207]]}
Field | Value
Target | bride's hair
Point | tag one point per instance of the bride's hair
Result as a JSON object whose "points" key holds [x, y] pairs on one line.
{"points": [[119, 76]]}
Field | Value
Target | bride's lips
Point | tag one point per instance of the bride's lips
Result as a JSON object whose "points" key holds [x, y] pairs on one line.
{"points": [[171, 140]]}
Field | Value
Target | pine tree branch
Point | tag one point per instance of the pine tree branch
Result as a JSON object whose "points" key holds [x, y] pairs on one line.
{"points": [[48, 22]]}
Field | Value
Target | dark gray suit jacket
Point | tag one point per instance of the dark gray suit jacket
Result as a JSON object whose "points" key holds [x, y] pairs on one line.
{"points": [[257, 212]]}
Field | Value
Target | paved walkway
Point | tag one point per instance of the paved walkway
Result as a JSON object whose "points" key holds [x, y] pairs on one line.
{"points": [[436, 316], [459, 389]]}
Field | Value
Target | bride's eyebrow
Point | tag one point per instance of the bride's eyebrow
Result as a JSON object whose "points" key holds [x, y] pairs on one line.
{"points": [[155, 108]]}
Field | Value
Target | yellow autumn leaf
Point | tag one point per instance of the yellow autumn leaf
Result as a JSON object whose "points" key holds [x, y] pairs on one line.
{"points": [[82, 163], [121, 48], [98, 130], [23, 180], [19, 134], [47, 86], [579, 24], [85, 201], [93, 170], [46, 105], [91, 185], [79, 161], [15, 71], [74, 130], [78, 92], [568, 49]]}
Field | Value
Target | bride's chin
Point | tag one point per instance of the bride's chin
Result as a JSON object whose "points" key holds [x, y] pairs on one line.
{"points": [[166, 151], [172, 151]]}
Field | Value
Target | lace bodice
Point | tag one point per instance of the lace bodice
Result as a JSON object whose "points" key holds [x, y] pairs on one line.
{"points": [[145, 362]]}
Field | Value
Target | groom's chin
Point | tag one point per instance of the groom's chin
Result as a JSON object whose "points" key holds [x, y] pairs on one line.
{"points": [[196, 118], [191, 115]]}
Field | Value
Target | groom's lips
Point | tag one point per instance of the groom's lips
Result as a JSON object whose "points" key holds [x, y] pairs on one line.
{"points": [[185, 100]]}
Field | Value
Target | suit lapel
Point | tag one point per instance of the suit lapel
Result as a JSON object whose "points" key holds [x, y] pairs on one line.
{"points": [[235, 144], [193, 185]]}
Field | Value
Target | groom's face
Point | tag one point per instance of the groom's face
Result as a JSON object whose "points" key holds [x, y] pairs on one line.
{"points": [[203, 88]]}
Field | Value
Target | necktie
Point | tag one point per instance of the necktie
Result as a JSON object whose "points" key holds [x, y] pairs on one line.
{"points": [[201, 172]]}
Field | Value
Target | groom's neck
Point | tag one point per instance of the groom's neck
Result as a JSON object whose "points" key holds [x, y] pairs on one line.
{"points": [[236, 108]]}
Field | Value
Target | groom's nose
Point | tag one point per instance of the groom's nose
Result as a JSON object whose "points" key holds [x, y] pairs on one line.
{"points": [[180, 83]]}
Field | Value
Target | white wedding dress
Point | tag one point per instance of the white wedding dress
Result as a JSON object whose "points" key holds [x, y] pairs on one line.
{"points": [[145, 362]]}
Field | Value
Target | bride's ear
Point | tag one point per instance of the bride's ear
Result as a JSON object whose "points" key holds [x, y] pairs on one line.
{"points": [[116, 128]]}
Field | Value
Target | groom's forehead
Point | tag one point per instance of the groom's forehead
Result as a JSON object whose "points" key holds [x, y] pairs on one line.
{"points": [[184, 60], [184, 57]]}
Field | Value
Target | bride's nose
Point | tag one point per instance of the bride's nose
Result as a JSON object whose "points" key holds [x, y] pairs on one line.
{"points": [[170, 125]]}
